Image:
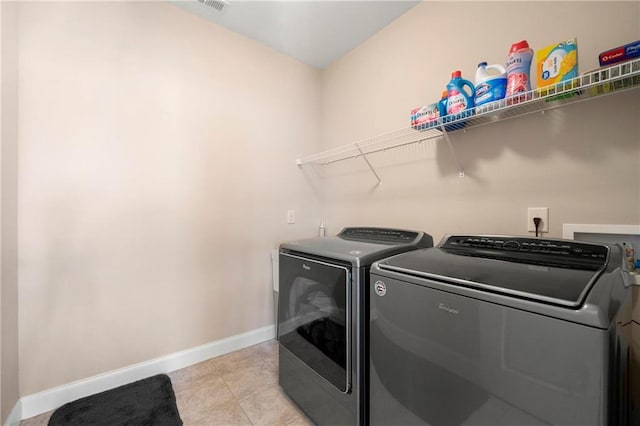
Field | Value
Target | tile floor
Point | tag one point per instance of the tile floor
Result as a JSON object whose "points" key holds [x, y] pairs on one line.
{"points": [[240, 388]]}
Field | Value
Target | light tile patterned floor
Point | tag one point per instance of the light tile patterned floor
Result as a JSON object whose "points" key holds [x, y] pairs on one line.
{"points": [[240, 388]]}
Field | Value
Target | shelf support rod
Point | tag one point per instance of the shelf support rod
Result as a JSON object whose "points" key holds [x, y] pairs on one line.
{"points": [[364, 157], [453, 152]]}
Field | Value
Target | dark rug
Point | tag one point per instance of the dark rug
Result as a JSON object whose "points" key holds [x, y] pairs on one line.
{"points": [[149, 401]]}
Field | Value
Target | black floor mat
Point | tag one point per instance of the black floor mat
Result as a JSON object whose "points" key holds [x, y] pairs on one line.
{"points": [[150, 401]]}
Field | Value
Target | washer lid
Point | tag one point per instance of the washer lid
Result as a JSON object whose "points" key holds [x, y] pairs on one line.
{"points": [[363, 245], [560, 276]]}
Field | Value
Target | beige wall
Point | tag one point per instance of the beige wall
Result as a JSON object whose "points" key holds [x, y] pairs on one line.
{"points": [[156, 167], [581, 161], [2, 417], [9, 195], [156, 164]]}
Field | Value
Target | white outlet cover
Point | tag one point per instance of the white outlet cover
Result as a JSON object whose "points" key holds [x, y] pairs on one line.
{"points": [[291, 216], [542, 213]]}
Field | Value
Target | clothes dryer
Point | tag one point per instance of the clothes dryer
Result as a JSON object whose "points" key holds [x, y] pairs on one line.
{"points": [[323, 319]]}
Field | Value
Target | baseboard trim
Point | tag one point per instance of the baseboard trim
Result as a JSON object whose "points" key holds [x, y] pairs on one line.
{"points": [[14, 417], [47, 400]]}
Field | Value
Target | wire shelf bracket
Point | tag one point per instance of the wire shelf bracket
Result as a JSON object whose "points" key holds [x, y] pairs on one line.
{"points": [[453, 152], [364, 157]]}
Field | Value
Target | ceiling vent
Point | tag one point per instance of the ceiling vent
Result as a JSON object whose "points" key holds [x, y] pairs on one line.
{"points": [[219, 5]]}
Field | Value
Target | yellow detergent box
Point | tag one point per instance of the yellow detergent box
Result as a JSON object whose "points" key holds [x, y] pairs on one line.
{"points": [[557, 63]]}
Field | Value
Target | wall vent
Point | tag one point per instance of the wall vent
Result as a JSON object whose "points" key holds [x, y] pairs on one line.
{"points": [[219, 5]]}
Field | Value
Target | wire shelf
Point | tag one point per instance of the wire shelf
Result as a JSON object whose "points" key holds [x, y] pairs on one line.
{"points": [[602, 82]]}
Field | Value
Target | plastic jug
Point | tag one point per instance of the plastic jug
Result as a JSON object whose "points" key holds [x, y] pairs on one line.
{"points": [[518, 67], [459, 99], [442, 104], [460, 103], [491, 83]]}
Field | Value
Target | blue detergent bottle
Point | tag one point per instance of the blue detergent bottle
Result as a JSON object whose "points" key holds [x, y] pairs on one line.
{"points": [[442, 103], [442, 107], [460, 99]]}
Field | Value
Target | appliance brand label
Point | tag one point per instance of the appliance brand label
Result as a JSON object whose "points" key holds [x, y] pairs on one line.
{"points": [[380, 287], [304, 266], [447, 309]]}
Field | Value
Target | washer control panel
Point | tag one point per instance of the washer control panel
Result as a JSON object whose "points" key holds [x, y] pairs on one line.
{"points": [[515, 246]]}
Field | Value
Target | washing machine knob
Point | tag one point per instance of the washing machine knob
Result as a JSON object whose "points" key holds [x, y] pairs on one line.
{"points": [[511, 244]]}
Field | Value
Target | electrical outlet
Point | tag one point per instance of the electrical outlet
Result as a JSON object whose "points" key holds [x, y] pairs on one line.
{"points": [[291, 216], [542, 213]]}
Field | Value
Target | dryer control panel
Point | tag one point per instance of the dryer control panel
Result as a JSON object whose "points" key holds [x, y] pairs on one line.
{"points": [[386, 235]]}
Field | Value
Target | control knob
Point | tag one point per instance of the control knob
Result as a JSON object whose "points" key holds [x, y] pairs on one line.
{"points": [[511, 244]]}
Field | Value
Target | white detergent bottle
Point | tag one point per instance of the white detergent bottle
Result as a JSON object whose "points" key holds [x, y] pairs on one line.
{"points": [[491, 84]]}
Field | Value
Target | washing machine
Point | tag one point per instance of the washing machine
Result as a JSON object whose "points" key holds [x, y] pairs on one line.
{"points": [[496, 330], [323, 319]]}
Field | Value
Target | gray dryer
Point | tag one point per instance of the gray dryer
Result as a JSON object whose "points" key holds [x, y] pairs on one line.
{"points": [[323, 319]]}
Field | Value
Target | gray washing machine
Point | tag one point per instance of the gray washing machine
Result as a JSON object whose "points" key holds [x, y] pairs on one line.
{"points": [[323, 319], [493, 330]]}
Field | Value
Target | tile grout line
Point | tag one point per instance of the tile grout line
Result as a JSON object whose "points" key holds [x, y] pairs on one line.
{"points": [[236, 400], [244, 412]]}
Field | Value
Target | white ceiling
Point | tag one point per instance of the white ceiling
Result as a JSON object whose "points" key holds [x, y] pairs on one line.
{"points": [[316, 32]]}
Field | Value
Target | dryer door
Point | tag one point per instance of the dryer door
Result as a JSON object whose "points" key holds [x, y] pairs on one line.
{"points": [[314, 313]]}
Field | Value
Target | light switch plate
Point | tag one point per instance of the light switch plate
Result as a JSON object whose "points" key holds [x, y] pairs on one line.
{"points": [[542, 213]]}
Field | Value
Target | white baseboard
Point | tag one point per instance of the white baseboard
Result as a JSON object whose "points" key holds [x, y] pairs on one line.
{"points": [[50, 399], [15, 415]]}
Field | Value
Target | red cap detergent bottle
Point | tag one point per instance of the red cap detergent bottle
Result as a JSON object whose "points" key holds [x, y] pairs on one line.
{"points": [[518, 67], [460, 99]]}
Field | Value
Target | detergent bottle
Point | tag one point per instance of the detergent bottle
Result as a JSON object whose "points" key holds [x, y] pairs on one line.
{"points": [[518, 66], [460, 93], [442, 104], [491, 83], [459, 99]]}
